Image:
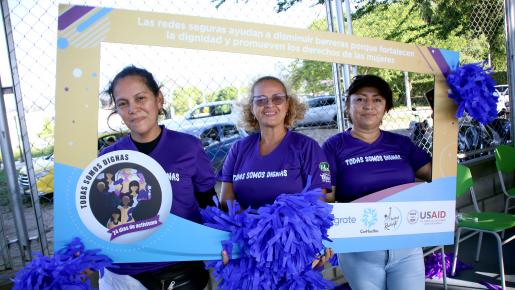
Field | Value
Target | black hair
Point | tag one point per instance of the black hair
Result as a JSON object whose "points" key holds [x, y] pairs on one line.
{"points": [[131, 70], [361, 81], [133, 183]]}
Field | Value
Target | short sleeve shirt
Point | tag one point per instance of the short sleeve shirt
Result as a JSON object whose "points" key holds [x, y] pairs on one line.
{"points": [[257, 180], [359, 168]]}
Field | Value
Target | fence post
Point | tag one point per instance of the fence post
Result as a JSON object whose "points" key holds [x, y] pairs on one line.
{"points": [[509, 16], [23, 127], [12, 184]]}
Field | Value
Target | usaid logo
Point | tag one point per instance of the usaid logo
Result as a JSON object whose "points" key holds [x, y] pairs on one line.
{"points": [[412, 216], [433, 216]]}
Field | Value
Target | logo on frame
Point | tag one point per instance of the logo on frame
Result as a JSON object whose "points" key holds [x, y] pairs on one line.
{"points": [[123, 196], [369, 219], [392, 219]]}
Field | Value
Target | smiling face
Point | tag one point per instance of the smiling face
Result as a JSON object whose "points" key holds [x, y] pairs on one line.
{"points": [[138, 107], [367, 108], [270, 104]]}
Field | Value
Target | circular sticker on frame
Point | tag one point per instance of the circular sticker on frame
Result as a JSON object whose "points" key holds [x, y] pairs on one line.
{"points": [[123, 196]]}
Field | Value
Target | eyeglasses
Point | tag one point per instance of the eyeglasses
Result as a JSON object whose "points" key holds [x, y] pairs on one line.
{"points": [[262, 101]]}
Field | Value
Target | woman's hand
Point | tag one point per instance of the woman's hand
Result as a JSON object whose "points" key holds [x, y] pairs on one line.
{"points": [[225, 257], [321, 260]]}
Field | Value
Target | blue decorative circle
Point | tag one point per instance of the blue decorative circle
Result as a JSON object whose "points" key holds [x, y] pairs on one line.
{"points": [[62, 43], [369, 217]]}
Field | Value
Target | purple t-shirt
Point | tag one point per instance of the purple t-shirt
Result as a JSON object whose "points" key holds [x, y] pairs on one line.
{"points": [[257, 180], [189, 171], [359, 168]]}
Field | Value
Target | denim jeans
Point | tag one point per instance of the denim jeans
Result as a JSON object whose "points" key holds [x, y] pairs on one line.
{"points": [[400, 269]]}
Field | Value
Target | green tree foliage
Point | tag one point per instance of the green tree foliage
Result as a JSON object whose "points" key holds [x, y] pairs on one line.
{"points": [[48, 129], [184, 98], [452, 24], [225, 94], [282, 5]]}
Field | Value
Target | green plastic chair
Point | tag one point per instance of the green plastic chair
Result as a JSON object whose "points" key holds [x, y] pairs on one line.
{"points": [[505, 163], [482, 222]]}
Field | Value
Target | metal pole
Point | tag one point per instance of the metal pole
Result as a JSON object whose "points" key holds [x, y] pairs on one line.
{"points": [[408, 90], [340, 121], [349, 30], [509, 16], [12, 184], [18, 139], [23, 127], [341, 29]]}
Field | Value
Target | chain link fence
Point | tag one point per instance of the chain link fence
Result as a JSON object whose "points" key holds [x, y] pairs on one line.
{"points": [[200, 88]]}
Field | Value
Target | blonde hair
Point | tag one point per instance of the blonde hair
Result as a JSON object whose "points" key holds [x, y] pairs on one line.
{"points": [[294, 113]]}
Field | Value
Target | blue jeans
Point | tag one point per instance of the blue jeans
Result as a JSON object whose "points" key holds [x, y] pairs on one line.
{"points": [[400, 269]]}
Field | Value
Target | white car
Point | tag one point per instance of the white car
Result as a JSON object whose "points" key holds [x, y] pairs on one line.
{"points": [[203, 114], [321, 111]]}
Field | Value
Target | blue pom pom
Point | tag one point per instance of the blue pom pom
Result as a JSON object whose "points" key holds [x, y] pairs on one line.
{"points": [[63, 271], [473, 90], [276, 246], [433, 265]]}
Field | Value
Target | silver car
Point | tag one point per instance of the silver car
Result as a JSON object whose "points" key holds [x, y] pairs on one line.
{"points": [[321, 111], [204, 114]]}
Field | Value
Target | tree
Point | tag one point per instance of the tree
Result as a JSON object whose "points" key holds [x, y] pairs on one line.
{"points": [[185, 98], [225, 94], [282, 5], [311, 77], [410, 21], [48, 129]]}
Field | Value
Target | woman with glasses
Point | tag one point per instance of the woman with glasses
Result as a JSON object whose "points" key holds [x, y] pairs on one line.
{"points": [[274, 160], [364, 160]]}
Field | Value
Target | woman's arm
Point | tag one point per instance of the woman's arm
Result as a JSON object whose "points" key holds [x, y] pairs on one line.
{"points": [[425, 172], [227, 194], [330, 196]]}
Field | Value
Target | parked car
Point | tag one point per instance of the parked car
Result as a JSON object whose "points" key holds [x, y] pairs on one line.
{"points": [[217, 139], [44, 167], [44, 173], [202, 114], [321, 111]]}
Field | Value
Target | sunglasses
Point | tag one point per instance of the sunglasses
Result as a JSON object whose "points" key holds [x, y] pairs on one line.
{"points": [[262, 101]]}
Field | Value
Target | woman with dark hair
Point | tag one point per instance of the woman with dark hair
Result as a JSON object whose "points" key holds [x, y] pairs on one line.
{"points": [[274, 160], [396, 161], [115, 219], [138, 100]]}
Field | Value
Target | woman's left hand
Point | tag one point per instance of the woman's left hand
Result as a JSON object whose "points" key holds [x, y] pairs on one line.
{"points": [[321, 260]]}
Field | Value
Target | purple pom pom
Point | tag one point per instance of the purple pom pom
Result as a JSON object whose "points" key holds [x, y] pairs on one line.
{"points": [[63, 271], [491, 286], [276, 245], [473, 90], [433, 265]]}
